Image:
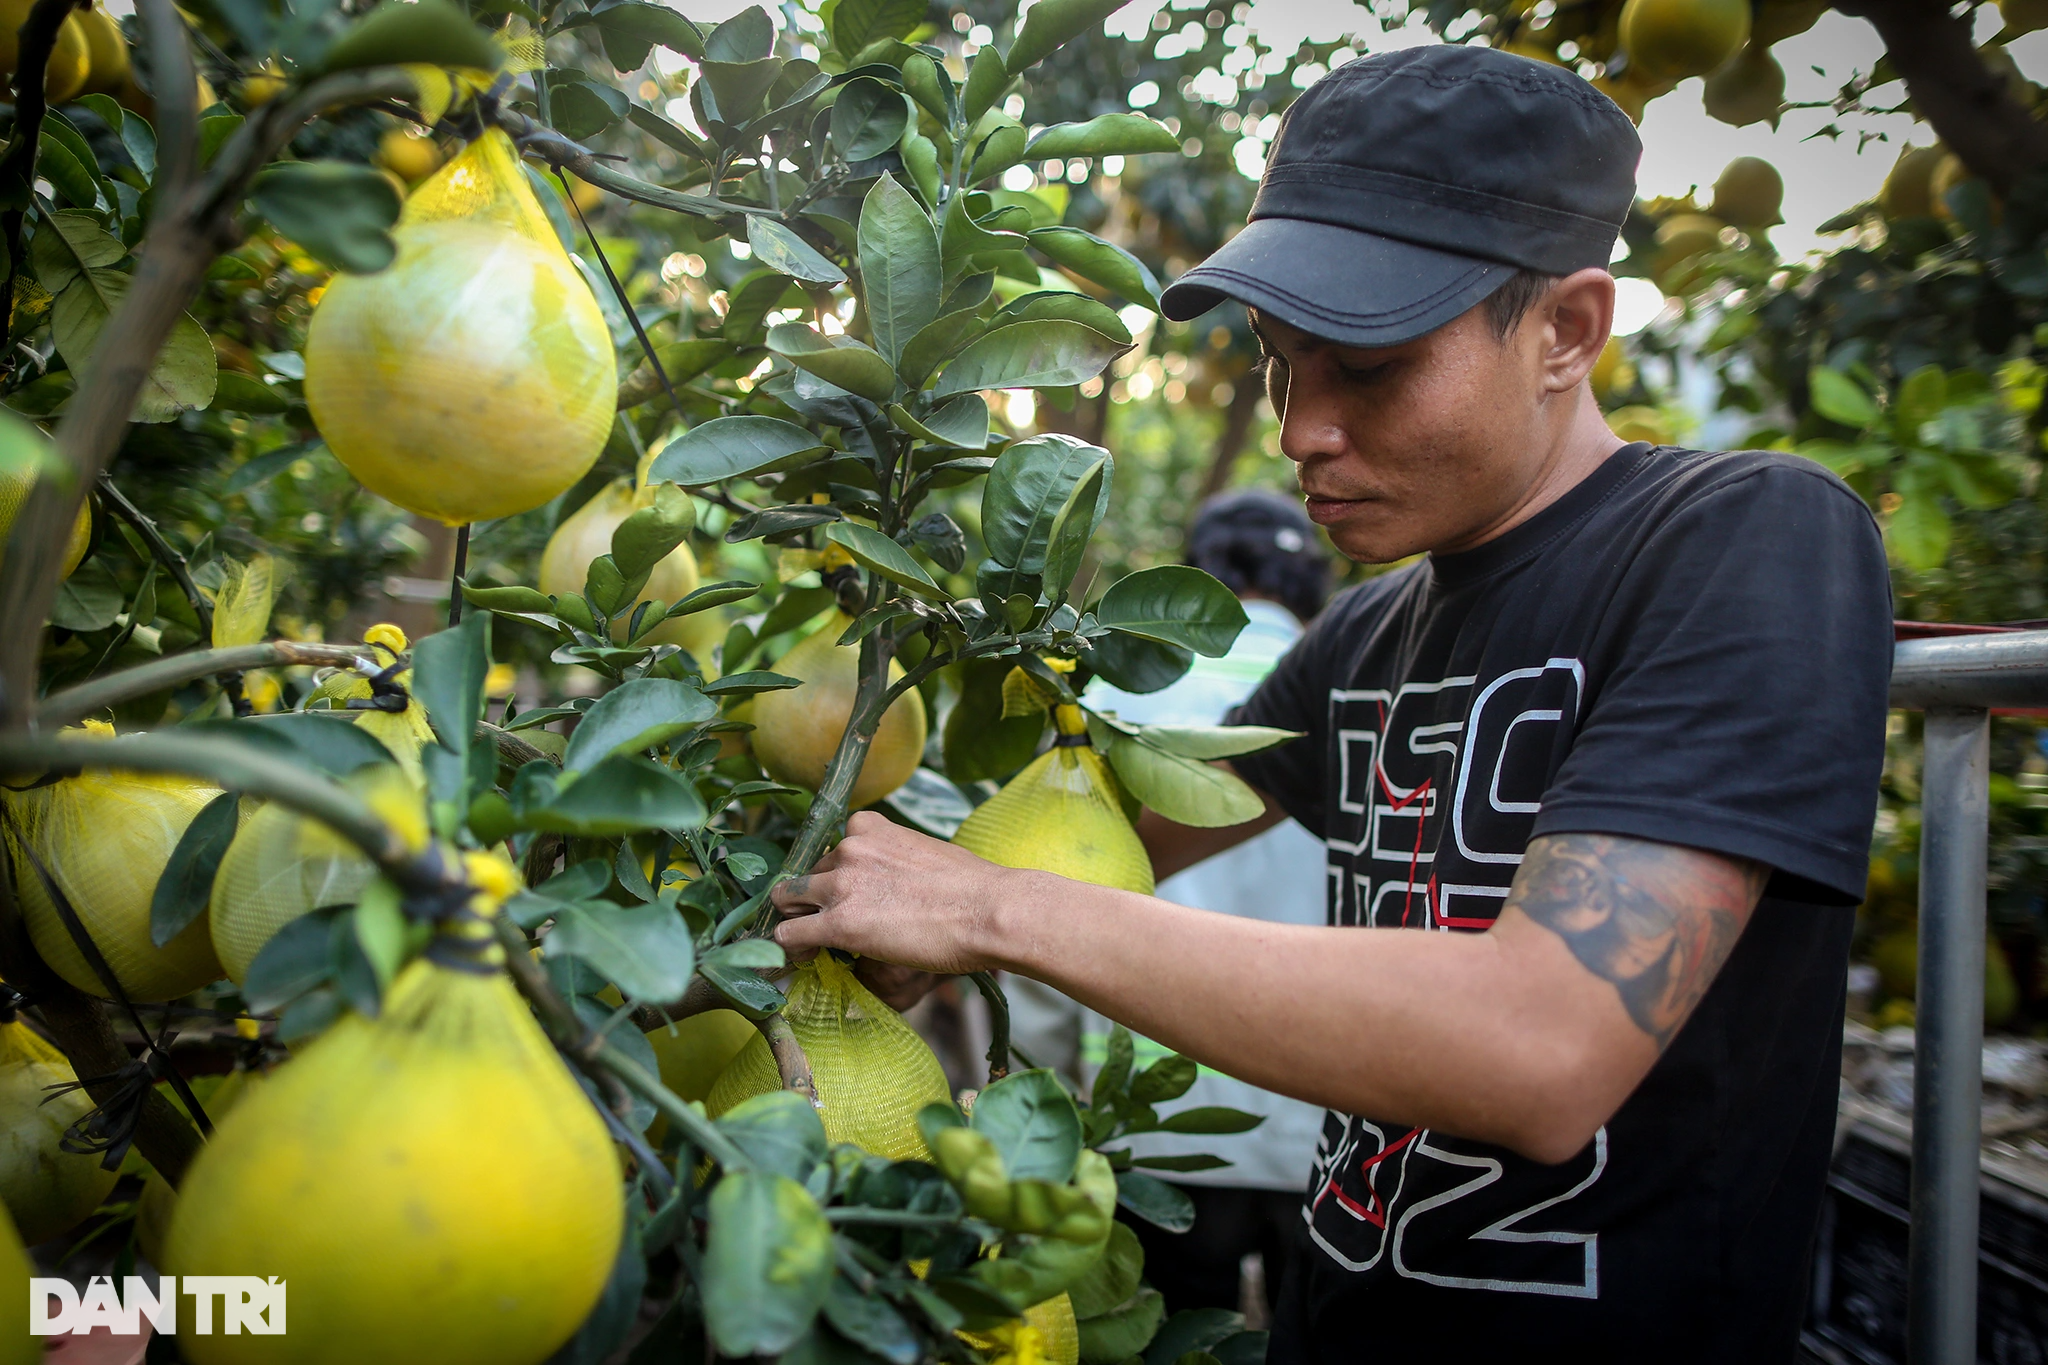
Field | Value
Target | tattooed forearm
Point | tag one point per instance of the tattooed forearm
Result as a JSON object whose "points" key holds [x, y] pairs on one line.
{"points": [[1656, 920]]}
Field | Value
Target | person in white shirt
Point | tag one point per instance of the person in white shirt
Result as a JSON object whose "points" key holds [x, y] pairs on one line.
{"points": [[1265, 549]]}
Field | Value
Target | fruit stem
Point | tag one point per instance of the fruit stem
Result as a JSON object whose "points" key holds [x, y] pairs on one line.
{"points": [[998, 1024]]}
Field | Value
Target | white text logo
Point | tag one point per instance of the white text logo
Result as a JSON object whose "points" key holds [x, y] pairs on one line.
{"points": [[248, 1303]]}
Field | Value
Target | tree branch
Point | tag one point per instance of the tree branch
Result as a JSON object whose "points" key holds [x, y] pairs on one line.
{"points": [[74, 704], [1965, 101], [790, 1062]]}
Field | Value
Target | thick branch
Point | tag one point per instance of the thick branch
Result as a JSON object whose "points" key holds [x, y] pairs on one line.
{"points": [[1952, 88], [790, 1062], [74, 704]]}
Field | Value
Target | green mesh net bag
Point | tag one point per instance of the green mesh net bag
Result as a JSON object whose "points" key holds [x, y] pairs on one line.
{"points": [[872, 1071]]}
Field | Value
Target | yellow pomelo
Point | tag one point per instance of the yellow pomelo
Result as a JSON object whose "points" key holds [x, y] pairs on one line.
{"points": [[1679, 240], [1750, 89], [1673, 39], [1749, 193], [24, 445], [153, 1207], [586, 534], [103, 837], [432, 1184], [70, 59], [872, 1071], [47, 1191], [108, 52], [1633, 91], [408, 155], [279, 867], [474, 377], [796, 731], [17, 1347], [1776, 20], [1062, 815], [1640, 424], [695, 1051], [1908, 186]]}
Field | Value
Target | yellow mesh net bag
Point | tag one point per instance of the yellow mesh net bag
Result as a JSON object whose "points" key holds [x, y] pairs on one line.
{"points": [[103, 837], [1047, 1334], [1063, 814], [872, 1071], [279, 867], [474, 377]]}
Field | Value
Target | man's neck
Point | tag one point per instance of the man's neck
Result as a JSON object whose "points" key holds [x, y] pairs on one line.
{"points": [[1580, 447]]}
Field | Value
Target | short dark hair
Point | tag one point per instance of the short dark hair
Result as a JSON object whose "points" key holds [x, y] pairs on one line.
{"points": [[1509, 304], [1257, 540]]}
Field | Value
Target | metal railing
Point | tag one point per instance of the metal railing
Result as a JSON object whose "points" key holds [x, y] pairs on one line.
{"points": [[1956, 681]]}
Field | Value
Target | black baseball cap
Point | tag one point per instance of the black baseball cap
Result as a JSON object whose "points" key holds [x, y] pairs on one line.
{"points": [[1403, 188]]}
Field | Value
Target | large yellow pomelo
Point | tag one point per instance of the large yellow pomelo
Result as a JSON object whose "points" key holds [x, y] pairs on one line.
{"points": [[1062, 814], [1633, 91], [693, 1052], [103, 837], [108, 51], [47, 1191], [1907, 191], [432, 1184], [1773, 21], [24, 447], [1749, 193], [1750, 89], [586, 534], [872, 1071], [1673, 39], [1680, 239], [17, 1347], [70, 59], [796, 731], [154, 1206]]}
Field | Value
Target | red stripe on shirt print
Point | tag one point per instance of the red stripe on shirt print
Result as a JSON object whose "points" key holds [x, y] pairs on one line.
{"points": [[1374, 1211], [1398, 804]]}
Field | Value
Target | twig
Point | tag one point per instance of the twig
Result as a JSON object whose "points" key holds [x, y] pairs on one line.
{"points": [[998, 1024], [74, 704], [38, 39], [589, 1053], [455, 578], [790, 1062], [890, 1218]]}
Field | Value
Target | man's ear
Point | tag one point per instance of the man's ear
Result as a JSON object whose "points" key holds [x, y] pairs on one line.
{"points": [[1578, 316]]}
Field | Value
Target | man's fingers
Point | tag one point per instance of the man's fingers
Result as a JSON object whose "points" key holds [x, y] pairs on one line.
{"points": [[803, 895], [801, 937]]}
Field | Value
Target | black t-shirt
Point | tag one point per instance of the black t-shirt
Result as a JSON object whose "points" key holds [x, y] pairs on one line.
{"points": [[1691, 648]]}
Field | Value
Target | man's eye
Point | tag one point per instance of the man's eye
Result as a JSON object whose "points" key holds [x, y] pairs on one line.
{"points": [[1365, 374]]}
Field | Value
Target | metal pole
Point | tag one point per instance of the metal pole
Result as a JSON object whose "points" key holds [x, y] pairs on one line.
{"points": [[1948, 1056]]}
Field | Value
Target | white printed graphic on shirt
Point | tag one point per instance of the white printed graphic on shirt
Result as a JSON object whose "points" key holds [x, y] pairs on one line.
{"points": [[1467, 760]]}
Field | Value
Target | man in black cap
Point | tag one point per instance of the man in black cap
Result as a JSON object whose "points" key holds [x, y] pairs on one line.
{"points": [[1613, 745]]}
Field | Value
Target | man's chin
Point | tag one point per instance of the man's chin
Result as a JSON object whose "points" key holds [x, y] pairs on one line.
{"points": [[1366, 531]]}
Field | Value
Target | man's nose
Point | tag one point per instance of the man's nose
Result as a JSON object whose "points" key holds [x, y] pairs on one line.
{"points": [[1311, 423]]}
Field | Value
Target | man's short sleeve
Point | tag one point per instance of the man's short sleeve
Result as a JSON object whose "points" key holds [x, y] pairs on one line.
{"points": [[1737, 693]]}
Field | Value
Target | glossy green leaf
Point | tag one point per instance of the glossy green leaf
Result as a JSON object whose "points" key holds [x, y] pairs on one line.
{"points": [[1104, 135], [1029, 355], [583, 109], [1123, 1330], [1155, 1201], [1104, 263], [1839, 398], [986, 80], [183, 889], [1166, 1079], [644, 950], [856, 23], [738, 88], [839, 360], [746, 37], [633, 717], [1067, 541], [1215, 741], [1052, 23], [1033, 1123], [622, 795], [879, 554], [1001, 150], [1027, 487], [448, 679], [731, 447], [778, 248], [779, 1131], [1114, 1278], [871, 1321], [1174, 604], [960, 422], [1919, 531], [651, 533], [868, 119], [183, 375], [1210, 1120], [936, 343], [237, 392], [962, 237], [900, 269], [1920, 399], [1073, 307], [767, 1263], [1184, 790]]}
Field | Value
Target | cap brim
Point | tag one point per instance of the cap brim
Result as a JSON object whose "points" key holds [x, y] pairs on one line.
{"points": [[1354, 288]]}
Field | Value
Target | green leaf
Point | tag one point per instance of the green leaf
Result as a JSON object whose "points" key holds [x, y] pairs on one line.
{"points": [[767, 1263], [780, 249], [237, 392], [1214, 741], [652, 532], [1104, 135], [185, 886], [88, 600], [735, 90], [978, 743], [583, 109], [433, 32], [1184, 790], [1839, 398], [899, 264], [1210, 1120], [515, 599], [1152, 1199], [1124, 1330], [986, 81], [877, 553], [67, 242], [1067, 541], [1029, 355], [1033, 1123], [633, 717], [341, 212], [630, 28], [1071, 306], [837, 360], [856, 23], [1174, 604], [1113, 1279], [731, 447], [1104, 263], [622, 795], [959, 422], [1113, 1081], [66, 174], [1192, 1334], [644, 950], [182, 377], [869, 1320], [936, 342], [746, 37], [330, 742], [1026, 489], [448, 671], [1166, 1079], [868, 119], [1052, 23], [746, 991], [1920, 400], [780, 1133], [1000, 150], [712, 595], [1919, 531]]}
